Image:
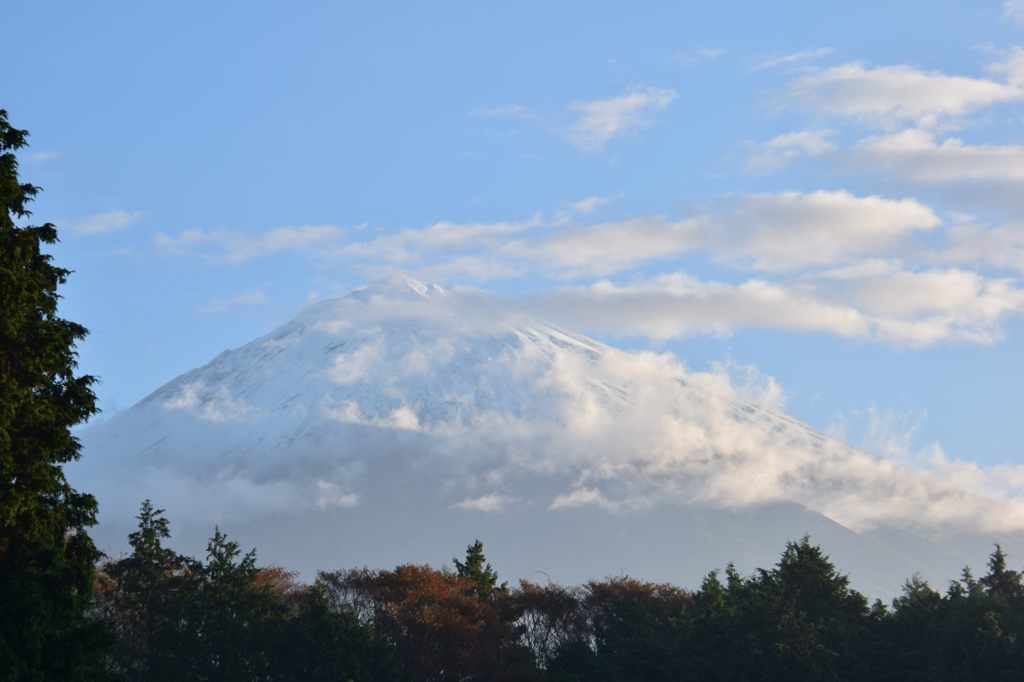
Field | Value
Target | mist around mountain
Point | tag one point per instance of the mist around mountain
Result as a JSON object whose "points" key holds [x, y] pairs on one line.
{"points": [[396, 423]]}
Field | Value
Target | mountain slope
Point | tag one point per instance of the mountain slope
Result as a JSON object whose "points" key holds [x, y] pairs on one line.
{"points": [[399, 422]]}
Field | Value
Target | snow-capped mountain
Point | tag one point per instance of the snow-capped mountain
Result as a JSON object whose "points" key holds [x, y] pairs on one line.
{"points": [[402, 421]]}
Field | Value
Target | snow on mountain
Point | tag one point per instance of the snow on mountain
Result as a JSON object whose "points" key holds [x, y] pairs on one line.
{"points": [[399, 422]]}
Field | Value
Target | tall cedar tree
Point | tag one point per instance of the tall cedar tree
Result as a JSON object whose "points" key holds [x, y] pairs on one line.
{"points": [[46, 558], [477, 569]]}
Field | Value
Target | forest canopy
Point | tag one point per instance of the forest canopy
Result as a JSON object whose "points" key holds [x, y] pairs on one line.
{"points": [[226, 617]]}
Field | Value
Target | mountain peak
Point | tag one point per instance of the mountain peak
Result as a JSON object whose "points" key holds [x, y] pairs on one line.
{"points": [[402, 416], [398, 286]]}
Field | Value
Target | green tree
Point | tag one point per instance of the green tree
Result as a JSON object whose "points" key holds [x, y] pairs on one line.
{"points": [[141, 597], [477, 569], [47, 560], [232, 617], [797, 621], [1002, 581], [320, 643]]}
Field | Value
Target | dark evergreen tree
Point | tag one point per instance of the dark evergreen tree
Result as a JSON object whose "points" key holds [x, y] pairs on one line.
{"points": [[322, 644], [142, 596], [797, 621], [477, 569], [822, 622], [47, 559], [233, 620], [1001, 581]]}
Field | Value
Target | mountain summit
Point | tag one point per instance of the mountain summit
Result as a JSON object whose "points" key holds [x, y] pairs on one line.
{"points": [[400, 421]]}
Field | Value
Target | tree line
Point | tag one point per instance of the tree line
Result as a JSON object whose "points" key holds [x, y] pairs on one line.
{"points": [[172, 617]]}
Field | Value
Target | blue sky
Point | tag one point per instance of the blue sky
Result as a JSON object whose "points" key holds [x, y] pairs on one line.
{"points": [[830, 192]]}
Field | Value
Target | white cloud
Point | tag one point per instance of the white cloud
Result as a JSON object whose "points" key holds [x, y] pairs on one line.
{"points": [[671, 306], [769, 232], [914, 155], [797, 57], [235, 246], [410, 244], [665, 434], [211, 404], [351, 367], [892, 434], [1000, 247], [104, 223], [792, 230], [245, 298], [445, 269], [492, 502], [583, 497], [606, 248], [601, 120], [1012, 66], [330, 495], [893, 95], [925, 307], [402, 418], [783, 149], [876, 301], [828, 262], [591, 204]]}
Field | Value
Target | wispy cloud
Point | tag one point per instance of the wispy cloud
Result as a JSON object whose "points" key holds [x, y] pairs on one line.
{"points": [[779, 151], [237, 246], [42, 156], [408, 244], [492, 502], [792, 58], [698, 55], [794, 230], [892, 95], [826, 261], [606, 248], [591, 204], [1013, 11], [1012, 67], [879, 303], [601, 120], [104, 223], [511, 111], [246, 298], [210, 403], [923, 307], [780, 232], [583, 497], [767, 232], [978, 245], [916, 156], [330, 495]]}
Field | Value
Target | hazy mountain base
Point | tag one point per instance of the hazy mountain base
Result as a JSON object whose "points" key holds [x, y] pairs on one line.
{"points": [[408, 518]]}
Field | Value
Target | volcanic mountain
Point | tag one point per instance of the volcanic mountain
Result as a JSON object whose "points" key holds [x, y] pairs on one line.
{"points": [[400, 422]]}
